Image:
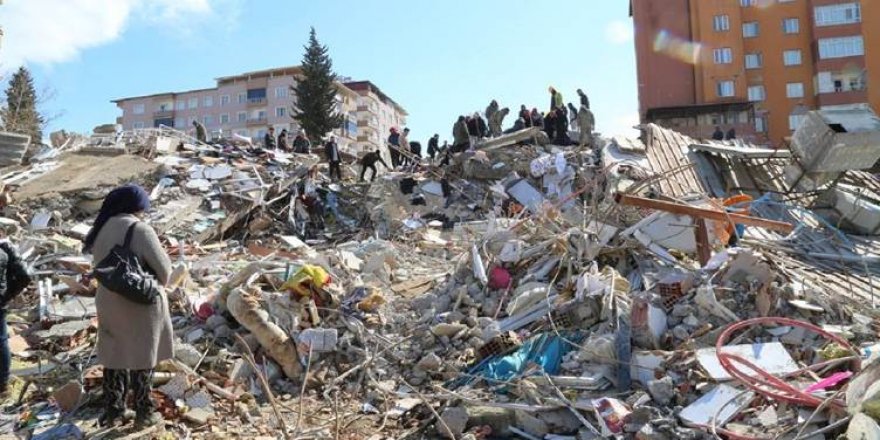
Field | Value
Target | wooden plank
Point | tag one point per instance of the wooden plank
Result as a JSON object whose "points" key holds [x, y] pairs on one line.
{"points": [[710, 214]]}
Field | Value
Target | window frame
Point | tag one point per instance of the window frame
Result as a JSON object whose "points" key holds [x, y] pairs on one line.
{"points": [[785, 57]]}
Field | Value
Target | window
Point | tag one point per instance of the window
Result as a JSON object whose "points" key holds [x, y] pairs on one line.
{"points": [[242, 98], [841, 47], [757, 93], [281, 92], [193, 102], [838, 14], [224, 100], [791, 25], [242, 116], [208, 101], [138, 125], [224, 118], [795, 121], [721, 23], [792, 57], [208, 120], [725, 89], [138, 109], [180, 105], [280, 112], [747, 3], [794, 90], [754, 61], [723, 55], [750, 29], [761, 124], [179, 122]]}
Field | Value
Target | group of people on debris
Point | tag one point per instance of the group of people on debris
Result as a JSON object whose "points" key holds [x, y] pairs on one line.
{"points": [[719, 135], [468, 130]]}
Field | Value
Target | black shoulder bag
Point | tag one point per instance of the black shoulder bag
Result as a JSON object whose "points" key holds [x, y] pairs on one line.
{"points": [[122, 272]]}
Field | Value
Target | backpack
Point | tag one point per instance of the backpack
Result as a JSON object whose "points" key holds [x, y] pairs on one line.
{"points": [[122, 272]]}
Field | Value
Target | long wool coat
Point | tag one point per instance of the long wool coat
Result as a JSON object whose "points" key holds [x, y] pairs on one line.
{"points": [[133, 336]]}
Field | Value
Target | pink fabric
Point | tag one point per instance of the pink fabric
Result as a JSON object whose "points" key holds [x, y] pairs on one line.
{"points": [[499, 278], [829, 381]]}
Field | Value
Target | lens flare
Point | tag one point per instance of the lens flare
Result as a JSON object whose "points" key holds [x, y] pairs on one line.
{"points": [[676, 47]]}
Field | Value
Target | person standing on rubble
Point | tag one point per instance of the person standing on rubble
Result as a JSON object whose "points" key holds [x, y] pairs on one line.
{"points": [[331, 151], [14, 278], [282, 140], [201, 133], [549, 124], [369, 162], [460, 135], [394, 147], [525, 115], [572, 113], [404, 147], [433, 146], [585, 100], [491, 110], [132, 338], [301, 143], [718, 135], [556, 101], [537, 119], [731, 134], [269, 139], [562, 129], [496, 121], [586, 124]]}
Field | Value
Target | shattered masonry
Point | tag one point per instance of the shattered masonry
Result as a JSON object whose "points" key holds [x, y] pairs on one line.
{"points": [[654, 288]]}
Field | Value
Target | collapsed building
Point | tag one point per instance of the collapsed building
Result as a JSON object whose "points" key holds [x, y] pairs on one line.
{"points": [[659, 287]]}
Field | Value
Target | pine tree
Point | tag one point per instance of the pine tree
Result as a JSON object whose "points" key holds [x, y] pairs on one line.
{"points": [[315, 107], [20, 114]]}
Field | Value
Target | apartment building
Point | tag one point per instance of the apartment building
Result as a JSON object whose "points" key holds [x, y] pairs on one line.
{"points": [[376, 114], [757, 66], [246, 104]]}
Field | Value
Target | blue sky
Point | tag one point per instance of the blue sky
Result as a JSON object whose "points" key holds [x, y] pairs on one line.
{"points": [[437, 58]]}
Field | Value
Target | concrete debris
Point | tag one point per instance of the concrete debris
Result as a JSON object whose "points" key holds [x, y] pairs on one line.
{"points": [[522, 288]]}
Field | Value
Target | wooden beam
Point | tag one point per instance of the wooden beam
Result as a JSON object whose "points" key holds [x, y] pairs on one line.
{"points": [[711, 214]]}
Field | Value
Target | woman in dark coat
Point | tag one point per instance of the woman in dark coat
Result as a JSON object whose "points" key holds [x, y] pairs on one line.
{"points": [[132, 337]]}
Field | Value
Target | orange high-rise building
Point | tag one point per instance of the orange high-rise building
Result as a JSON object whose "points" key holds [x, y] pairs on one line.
{"points": [[756, 66]]}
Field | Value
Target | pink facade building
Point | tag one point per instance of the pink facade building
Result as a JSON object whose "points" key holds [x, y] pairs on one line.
{"points": [[247, 105]]}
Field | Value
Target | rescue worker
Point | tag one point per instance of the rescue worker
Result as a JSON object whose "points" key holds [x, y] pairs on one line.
{"points": [[331, 150], [460, 140], [433, 146], [282, 140], [269, 139], [301, 143], [394, 147], [491, 110], [496, 122], [585, 100], [201, 133], [369, 162], [586, 124]]}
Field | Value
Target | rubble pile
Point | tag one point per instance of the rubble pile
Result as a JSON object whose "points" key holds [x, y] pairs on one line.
{"points": [[652, 288]]}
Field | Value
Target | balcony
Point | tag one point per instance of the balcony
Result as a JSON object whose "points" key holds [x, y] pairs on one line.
{"points": [[842, 96], [363, 108], [257, 121], [163, 113], [253, 102], [363, 123]]}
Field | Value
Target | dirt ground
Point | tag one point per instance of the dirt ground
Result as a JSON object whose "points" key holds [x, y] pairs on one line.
{"points": [[81, 172]]}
